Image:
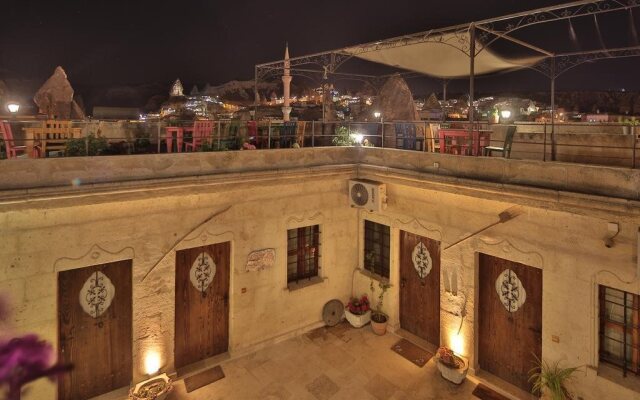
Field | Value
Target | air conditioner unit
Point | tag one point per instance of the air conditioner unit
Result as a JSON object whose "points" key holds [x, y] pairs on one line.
{"points": [[369, 195]]}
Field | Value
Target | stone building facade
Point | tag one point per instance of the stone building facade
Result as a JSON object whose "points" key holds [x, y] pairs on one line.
{"points": [[148, 208]]}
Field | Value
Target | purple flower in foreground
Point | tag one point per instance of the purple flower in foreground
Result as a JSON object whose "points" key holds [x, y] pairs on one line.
{"points": [[25, 359]]}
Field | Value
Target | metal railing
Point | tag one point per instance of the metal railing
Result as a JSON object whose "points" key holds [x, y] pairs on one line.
{"points": [[611, 144]]}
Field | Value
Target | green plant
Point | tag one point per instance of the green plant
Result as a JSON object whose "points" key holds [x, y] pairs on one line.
{"points": [[78, 147], [343, 137], [552, 378], [632, 122], [377, 315]]}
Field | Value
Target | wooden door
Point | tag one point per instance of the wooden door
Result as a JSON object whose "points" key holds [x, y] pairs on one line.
{"points": [[202, 303], [510, 319], [94, 322], [420, 286]]}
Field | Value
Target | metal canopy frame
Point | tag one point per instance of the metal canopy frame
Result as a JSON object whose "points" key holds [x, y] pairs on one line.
{"points": [[471, 39]]}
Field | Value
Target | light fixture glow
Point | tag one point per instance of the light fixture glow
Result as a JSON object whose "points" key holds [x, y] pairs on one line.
{"points": [[457, 343], [505, 114], [152, 362], [13, 107], [377, 114], [358, 137]]}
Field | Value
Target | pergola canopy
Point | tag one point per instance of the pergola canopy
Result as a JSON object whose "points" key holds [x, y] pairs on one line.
{"points": [[441, 59]]}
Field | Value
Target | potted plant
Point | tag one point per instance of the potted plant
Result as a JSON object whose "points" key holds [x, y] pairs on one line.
{"points": [[378, 318], [494, 116], [156, 388], [549, 380], [358, 312], [451, 366], [629, 126]]}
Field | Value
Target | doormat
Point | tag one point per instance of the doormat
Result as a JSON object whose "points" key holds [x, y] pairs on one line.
{"points": [[411, 352], [203, 378], [485, 393]]}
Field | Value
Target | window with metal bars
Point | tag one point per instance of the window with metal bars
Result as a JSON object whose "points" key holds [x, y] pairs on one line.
{"points": [[620, 329], [303, 253], [376, 248]]}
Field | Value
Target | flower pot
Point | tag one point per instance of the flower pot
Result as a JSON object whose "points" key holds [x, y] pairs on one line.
{"points": [[156, 388], [357, 321], [379, 324], [454, 375]]}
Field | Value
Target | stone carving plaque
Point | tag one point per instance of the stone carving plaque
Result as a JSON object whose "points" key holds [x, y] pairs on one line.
{"points": [[261, 259], [97, 294], [510, 290], [421, 260], [202, 271]]}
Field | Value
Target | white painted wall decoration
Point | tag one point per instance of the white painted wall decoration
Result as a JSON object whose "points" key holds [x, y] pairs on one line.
{"points": [[96, 294], [202, 271], [421, 260], [261, 259], [510, 290]]}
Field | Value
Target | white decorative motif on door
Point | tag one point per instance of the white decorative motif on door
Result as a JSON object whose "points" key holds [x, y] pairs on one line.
{"points": [[510, 290], [422, 260], [202, 272], [97, 294]]}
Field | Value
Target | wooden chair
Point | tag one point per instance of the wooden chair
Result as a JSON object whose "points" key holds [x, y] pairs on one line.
{"points": [[54, 134], [433, 140], [506, 147], [300, 133], [288, 134], [405, 136], [201, 131], [12, 150]]}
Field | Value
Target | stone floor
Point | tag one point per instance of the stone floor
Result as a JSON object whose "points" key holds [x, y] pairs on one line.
{"points": [[321, 365]]}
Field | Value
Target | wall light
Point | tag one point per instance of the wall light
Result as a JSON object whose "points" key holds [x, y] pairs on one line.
{"points": [[152, 362], [13, 108], [505, 114], [457, 343], [377, 114]]}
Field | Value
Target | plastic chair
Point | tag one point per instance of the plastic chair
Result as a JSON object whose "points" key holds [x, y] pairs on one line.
{"points": [[300, 133], [201, 131], [506, 147], [433, 139]]}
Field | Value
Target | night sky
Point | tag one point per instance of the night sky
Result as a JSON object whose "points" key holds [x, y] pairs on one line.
{"points": [[121, 42]]}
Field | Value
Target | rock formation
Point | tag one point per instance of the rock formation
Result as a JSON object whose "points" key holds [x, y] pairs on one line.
{"points": [[395, 101], [55, 97]]}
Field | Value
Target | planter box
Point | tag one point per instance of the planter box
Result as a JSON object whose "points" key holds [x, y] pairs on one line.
{"points": [[455, 375], [357, 321]]}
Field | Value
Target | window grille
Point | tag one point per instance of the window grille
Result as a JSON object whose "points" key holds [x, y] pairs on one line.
{"points": [[620, 329], [376, 248], [303, 253]]}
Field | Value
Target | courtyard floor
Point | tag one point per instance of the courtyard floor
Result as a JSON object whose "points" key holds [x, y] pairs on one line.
{"points": [[329, 364]]}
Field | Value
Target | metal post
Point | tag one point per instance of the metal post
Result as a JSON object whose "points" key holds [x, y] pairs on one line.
{"points": [[553, 109], [382, 131], [158, 133], [219, 133], [313, 133], [269, 136], [544, 143], [256, 96], [472, 64], [444, 89]]}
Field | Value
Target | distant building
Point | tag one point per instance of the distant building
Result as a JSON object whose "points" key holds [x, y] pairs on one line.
{"points": [[101, 112]]}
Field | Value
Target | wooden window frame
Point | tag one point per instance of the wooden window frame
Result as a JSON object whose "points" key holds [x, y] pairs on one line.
{"points": [[630, 361], [377, 236], [306, 250]]}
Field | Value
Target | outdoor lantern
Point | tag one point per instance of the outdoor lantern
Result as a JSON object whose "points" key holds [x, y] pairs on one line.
{"points": [[505, 114], [377, 114], [13, 108]]}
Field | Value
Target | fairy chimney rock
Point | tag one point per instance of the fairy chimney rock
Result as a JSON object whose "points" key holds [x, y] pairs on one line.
{"points": [[55, 97]]}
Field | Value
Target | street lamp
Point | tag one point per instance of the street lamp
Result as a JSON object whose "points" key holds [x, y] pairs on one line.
{"points": [[13, 108]]}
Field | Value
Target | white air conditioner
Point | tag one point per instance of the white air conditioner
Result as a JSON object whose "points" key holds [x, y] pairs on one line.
{"points": [[366, 194]]}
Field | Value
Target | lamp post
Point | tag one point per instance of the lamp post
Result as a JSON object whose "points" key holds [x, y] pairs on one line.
{"points": [[13, 108]]}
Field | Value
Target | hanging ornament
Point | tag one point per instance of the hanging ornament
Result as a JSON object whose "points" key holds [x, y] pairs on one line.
{"points": [[97, 294], [421, 260], [202, 272], [510, 290]]}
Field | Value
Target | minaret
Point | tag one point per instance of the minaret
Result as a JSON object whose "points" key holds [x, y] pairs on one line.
{"points": [[286, 83]]}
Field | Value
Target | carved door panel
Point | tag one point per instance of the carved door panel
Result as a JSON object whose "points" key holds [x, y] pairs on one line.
{"points": [[95, 333], [202, 303], [420, 286], [510, 319]]}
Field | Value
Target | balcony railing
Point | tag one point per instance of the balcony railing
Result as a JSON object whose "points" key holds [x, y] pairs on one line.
{"points": [[610, 144]]}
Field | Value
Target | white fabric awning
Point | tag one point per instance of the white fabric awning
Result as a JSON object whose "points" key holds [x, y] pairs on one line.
{"points": [[440, 58]]}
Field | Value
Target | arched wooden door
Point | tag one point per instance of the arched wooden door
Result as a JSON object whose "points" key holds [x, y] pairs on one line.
{"points": [[202, 303], [510, 319], [420, 286], [95, 333]]}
